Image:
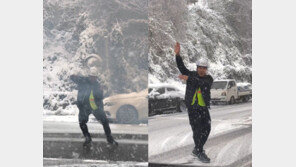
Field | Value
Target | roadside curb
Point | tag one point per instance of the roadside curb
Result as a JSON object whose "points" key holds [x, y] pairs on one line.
{"points": [[132, 147], [96, 135]]}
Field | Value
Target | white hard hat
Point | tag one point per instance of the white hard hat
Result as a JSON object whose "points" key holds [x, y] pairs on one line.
{"points": [[202, 63], [93, 71]]}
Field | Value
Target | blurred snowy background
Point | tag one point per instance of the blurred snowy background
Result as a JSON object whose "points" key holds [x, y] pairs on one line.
{"points": [[77, 34], [117, 35]]}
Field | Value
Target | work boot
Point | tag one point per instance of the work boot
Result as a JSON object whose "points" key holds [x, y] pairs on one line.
{"points": [[201, 155], [110, 140], [87, 141]]}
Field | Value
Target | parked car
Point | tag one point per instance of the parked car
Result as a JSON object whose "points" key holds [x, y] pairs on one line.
{"points": [[164, 98], [127, 108], [246, 86], [244, 93], [226, 91]]}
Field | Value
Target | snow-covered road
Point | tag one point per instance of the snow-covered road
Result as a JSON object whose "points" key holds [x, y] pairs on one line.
{"points": [[230, 141], [60, 162]]}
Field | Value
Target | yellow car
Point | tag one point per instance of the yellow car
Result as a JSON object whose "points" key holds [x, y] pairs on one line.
{"points": [[127, 108]]}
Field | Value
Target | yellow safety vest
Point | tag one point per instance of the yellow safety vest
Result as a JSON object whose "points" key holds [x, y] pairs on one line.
{"points": [[92, 101], [200, 99]]}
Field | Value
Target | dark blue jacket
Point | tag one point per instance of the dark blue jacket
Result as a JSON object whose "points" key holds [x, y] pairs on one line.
{"points": [[85, 85], [194, 82]]}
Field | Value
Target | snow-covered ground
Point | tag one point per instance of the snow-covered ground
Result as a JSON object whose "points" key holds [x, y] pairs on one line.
{"points": [[65, 118], [55, 162], [172, 133]]}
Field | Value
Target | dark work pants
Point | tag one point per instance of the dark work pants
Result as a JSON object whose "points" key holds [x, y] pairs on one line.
{"points": [[84, 112], [200, 121]]}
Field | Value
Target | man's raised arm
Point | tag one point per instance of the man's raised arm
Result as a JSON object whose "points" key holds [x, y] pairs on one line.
{"points": [[179, 60], [77, 79]]}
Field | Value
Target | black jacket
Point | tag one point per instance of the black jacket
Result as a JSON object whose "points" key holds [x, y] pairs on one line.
{"points": [[85, 85], [194, 82]]}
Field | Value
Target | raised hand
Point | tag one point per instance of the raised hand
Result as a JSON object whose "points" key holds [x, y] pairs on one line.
{"points": [[177, 48], [184, 77]]}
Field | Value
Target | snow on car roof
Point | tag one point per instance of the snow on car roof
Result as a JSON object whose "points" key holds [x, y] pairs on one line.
{"points": [[224, 80], [244, 84], [142, 93]]}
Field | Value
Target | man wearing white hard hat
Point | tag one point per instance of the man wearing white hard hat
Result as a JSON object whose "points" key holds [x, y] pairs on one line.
{"points": [[90, 101], [197, 99]]}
